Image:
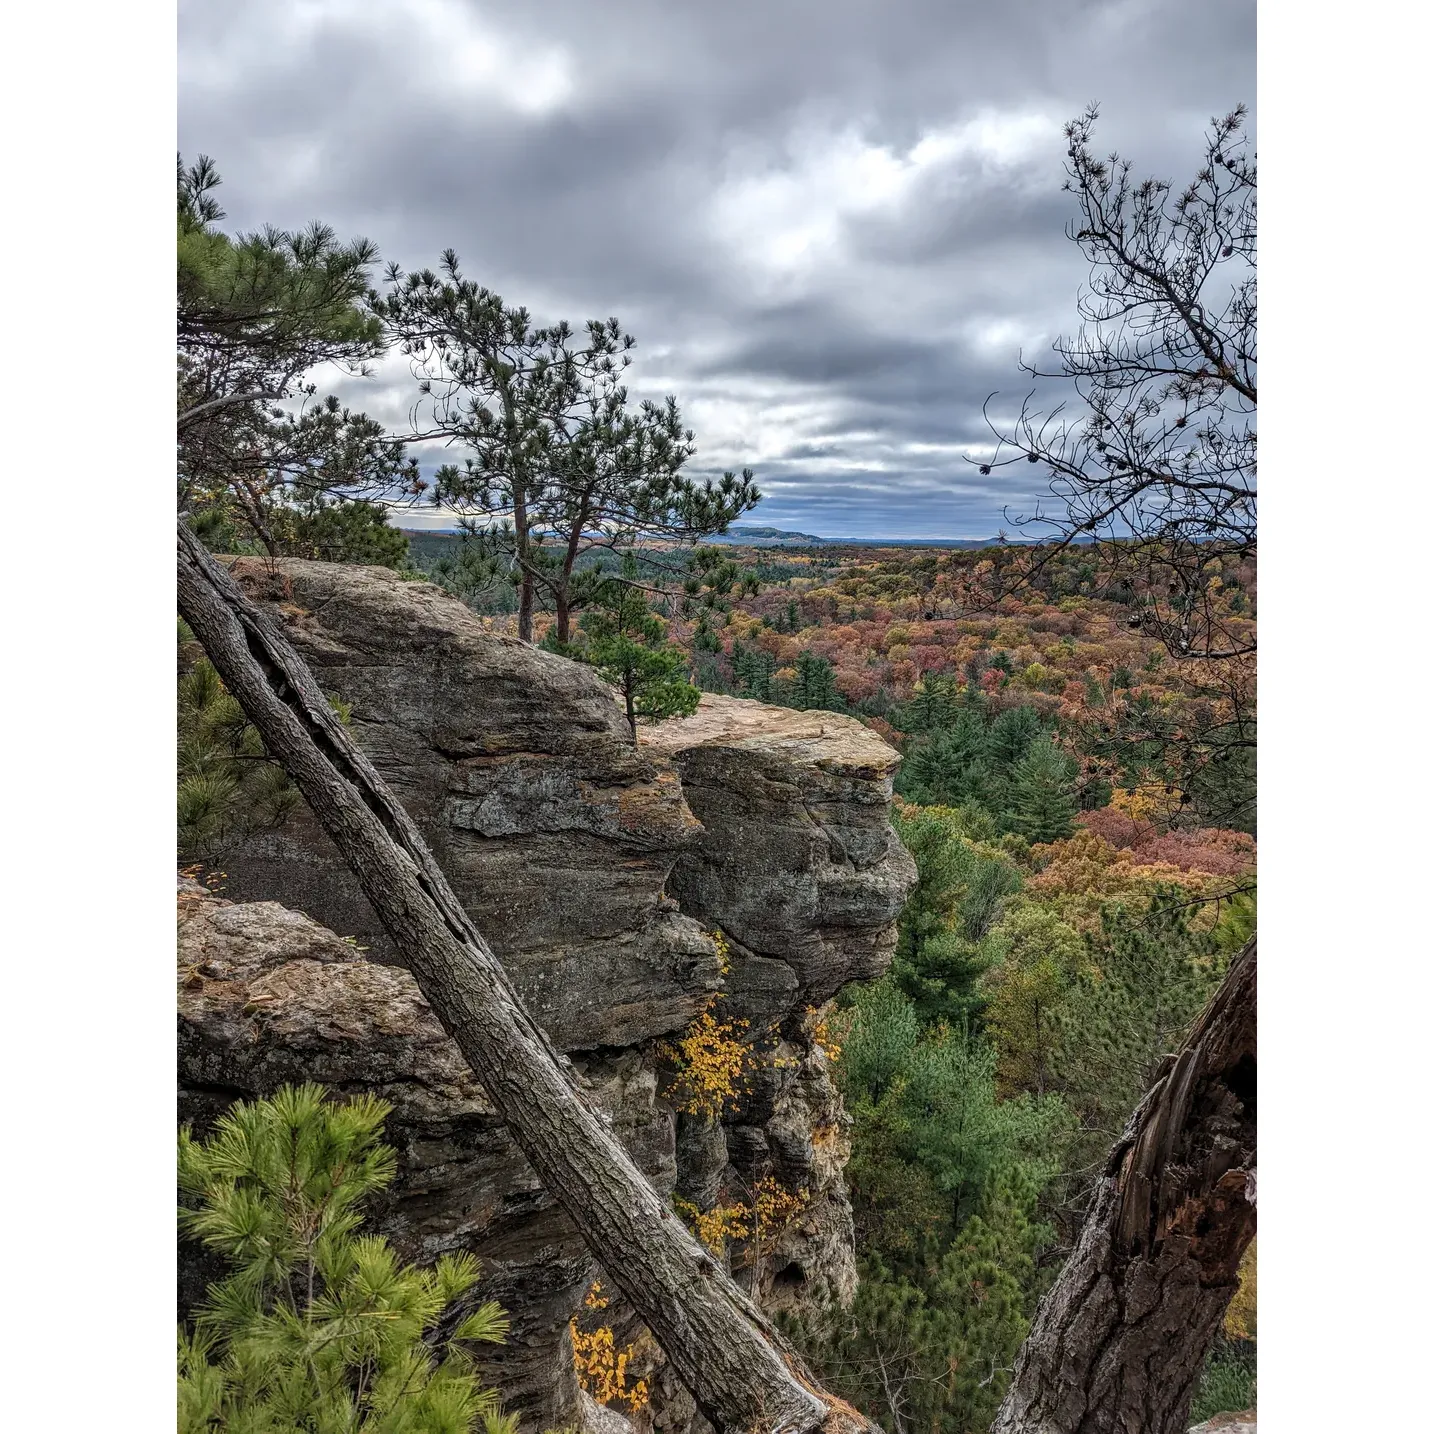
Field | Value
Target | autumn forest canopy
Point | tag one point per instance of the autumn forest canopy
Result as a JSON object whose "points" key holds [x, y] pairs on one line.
{"points": [[1075, 712]]}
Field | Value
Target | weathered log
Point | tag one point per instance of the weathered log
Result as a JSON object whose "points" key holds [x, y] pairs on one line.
{"points": [[1119, 1342], [742, 1373]]}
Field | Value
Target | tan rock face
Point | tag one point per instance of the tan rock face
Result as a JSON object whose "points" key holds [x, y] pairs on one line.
{"points": [[518, 768], [597, 871], [797, 858]]}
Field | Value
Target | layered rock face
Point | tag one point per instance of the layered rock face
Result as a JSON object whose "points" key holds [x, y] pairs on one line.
{"points": [[597, 872], [268, 997], [519, 770]]}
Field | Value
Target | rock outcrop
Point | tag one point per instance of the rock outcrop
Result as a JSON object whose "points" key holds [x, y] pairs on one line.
{"points": [[797, 860], [520, 772], [599, 873], [268, 997]]}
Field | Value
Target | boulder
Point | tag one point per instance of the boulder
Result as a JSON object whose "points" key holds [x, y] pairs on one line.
{"points": [[796, 859]]}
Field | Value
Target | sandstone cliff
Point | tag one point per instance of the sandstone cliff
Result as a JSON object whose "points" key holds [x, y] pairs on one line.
{"points": [[598, 873]]}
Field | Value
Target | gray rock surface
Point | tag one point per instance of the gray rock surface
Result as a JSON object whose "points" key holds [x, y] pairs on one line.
{"points": [[266, 997], [519, 770], [797, 859], [597, 871]]}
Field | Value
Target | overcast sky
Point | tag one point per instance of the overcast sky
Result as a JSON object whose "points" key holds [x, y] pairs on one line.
{"points": [[831, 226]]}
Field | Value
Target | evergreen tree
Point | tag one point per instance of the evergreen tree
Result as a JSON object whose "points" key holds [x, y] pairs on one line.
{"points": [[316, 1327], [626, 642], [960, 888], [815, 685], [559, 464], [1011, 736], [1037, 958], [257, 313], [227, 785], [755, 672], [931, 706], [945, 1179], [1146, 977], [1042, 802], [949, 766]]}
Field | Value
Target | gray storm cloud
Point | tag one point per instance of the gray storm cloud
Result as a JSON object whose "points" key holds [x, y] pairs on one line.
{"points": [[831, 228]]}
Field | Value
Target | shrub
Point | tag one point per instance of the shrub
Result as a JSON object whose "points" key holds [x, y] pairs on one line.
{"points": [[316, 1327]]}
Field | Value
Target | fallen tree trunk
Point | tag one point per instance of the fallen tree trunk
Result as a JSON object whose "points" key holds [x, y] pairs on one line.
{"points": [[742, 1373], [1119, 1342]]}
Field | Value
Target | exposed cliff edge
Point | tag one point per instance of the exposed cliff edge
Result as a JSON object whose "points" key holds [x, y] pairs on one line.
{"points": [[597, 872]]}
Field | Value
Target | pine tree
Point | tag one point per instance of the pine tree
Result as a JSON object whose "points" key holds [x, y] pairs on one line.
{"points": [[1042, 803], [815, 685], [316, 1327], [559, 464], [1011, 736], [961, 888], [1039, 959], [257, 313], [1147, 975], [928, 1345], [626, 642], [931, 706]]}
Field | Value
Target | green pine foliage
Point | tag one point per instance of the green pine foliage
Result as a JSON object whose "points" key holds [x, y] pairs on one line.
{"points": [[946, 1178], [227, 785], [812, 687], [1042, 802], [961, 889], [1227, 1383], [961, 754], [626, 641], [924, 1098], [258, 313], [1147, 976], [933, 1351], [318, 1329]]}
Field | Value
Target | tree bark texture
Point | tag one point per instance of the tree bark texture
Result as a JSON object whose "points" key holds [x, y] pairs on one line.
{"points": [[742, 1373], [1119, 1342]]}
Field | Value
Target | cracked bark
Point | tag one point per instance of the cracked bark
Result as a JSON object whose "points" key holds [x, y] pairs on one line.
{"points": [[742, 1373], [1119, 1342]]}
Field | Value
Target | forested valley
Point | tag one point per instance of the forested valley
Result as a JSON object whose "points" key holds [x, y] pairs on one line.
{"points": [[1075, 713]]}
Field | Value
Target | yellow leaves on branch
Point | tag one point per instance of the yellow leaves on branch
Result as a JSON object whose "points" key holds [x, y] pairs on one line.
{"points": [[602, 1368], [771, 1211], [724, 950], [776, 1207], [1149, 802], [821, 1034], [717, 1226], [709, 1059], [709, 1062]]}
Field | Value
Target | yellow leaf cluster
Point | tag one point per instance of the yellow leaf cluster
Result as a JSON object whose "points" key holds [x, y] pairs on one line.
{"points": [[822, 1035], [601, 1367], [775, 1207], [1149, 802], [772, 1210], [715, 1227], [724, 950], [710, 1062]]}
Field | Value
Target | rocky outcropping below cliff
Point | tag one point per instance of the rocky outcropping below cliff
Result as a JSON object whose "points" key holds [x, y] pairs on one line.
{"points": [[740, 861]]}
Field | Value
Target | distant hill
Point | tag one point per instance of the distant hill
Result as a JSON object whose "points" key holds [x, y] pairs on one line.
{"points": [[749, 536], [746, 535]]}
